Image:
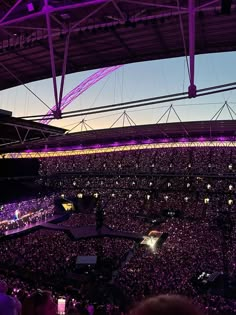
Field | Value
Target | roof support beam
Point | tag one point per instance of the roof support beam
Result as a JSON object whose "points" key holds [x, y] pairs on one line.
{"points": [[64, 68], [191, 23], [10, 11], [90, 14], [51, 10], [19, 135], [52, 58], [158, 5], [122, 15]]}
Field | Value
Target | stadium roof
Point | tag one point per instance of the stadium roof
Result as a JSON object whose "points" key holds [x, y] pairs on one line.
{"points": [[19, 131], [104, 33], [166, 132]]}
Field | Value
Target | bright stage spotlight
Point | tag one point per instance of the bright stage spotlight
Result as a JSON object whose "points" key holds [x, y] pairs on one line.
{"points": [[151, 242]]}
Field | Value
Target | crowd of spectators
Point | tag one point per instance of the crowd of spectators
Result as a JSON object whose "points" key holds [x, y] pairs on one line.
{"points": [[172, 160], [189, 250], [188, 193], [48, 254], [79, 220]]}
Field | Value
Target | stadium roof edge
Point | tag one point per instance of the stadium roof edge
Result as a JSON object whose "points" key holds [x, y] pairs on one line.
{"points": [[17, 131], [220, 130]]}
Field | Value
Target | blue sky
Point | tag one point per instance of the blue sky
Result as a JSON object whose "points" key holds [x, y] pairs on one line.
{"points": [[131, 82]]}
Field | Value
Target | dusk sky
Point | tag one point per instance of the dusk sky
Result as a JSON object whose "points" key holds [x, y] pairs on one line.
{"points": [[132, 82]]}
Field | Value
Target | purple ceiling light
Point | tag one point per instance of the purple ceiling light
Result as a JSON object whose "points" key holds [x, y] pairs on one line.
{"points": [[78, 90]]}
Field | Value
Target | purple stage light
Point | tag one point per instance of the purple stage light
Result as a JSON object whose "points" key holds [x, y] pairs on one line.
{"points": [[221, 139], [202, 139], [183, 140]]}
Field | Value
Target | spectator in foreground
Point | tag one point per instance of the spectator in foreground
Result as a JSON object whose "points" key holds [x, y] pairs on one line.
{"points": [[7, 303], [166, 305], [39, 303]]}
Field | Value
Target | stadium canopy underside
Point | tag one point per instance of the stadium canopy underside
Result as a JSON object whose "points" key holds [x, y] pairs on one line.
{"points": [[180, 133], [45, 38]]}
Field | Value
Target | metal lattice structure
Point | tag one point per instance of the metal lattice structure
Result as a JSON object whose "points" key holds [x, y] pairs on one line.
{"points": [[163, 133], [123, 148], [78, 90], [47, 38]]}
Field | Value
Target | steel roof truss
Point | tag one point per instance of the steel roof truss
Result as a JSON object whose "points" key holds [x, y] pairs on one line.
{"points": [[10, 11]]}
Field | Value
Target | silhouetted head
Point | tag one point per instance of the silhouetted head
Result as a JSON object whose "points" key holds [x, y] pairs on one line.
{"points": [[166, 305]]}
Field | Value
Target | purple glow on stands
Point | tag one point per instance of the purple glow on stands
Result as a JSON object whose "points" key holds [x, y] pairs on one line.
{"points": [[221, 139], [95, 146], [116, 144], [148, 141], [183, 140], [127, 143], [79, 89], [165, 140], [202, 139]]}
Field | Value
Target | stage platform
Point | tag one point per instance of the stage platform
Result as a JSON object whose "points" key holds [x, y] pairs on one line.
{"points": [[33, 226], [91, 231], [75, 233]]}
